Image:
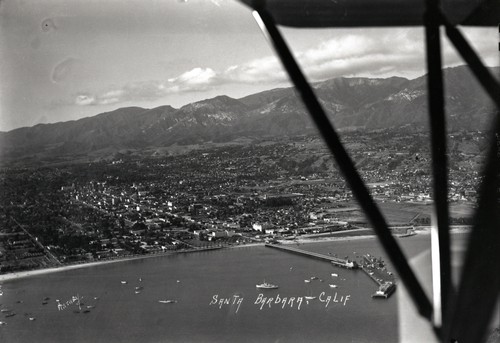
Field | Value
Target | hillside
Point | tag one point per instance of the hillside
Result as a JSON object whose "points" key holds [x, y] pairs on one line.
{"points": [[351, 103]]}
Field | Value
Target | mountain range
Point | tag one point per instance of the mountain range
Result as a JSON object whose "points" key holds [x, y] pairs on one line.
{"points": [[351, 103]]}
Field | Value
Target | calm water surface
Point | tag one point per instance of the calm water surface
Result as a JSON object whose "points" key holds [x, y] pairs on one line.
{"points": [[118, 314]]}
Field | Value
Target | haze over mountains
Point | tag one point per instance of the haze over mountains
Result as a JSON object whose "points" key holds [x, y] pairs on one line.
{"points": [[351, 103]]}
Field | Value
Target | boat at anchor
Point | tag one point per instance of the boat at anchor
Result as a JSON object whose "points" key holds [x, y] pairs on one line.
{"points": [[168, 301], [266, 285]]}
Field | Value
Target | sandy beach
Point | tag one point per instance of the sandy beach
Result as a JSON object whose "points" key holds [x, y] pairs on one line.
{"points": [[22, 274], [299, 240]]}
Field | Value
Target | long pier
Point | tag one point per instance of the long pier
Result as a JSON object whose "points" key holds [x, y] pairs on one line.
{"points": [[302, 252], [386, 287], [334, 260]]}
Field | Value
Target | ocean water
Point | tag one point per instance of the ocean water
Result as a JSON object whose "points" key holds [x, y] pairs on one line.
{"points": [[216, 299]]}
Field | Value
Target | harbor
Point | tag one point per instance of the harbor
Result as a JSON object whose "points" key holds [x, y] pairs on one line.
{"points": [[371, 266]]}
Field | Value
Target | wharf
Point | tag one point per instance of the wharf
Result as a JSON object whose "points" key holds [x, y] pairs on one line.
{"points": [[375, 269], [334, 260], [372, 267], [371, 275]]}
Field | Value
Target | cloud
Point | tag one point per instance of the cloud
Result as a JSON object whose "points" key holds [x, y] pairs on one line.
{"points": [[267, 69], [85, 100], [369, 53], [483, 42], [194, 80]]}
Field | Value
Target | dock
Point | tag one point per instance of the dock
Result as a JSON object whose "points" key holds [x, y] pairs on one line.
{"points": [[385, 282], [371, 275], [334, 260]]}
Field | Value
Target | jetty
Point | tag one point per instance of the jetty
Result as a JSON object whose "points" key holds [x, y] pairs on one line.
{"points": [[339, 262]]}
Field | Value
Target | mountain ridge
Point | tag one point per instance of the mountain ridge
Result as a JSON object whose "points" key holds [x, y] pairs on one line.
{"points": [[359, 103]]}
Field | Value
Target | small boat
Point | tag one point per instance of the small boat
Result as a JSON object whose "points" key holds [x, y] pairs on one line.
{"points": [[124, 282], [314, 277], [137, 292], [266, 285], [138, 288], [5, 310], [95, 298], [3, 323], [168, 301], [178, 281], [307, 281], [32, 318], [335, 275], [333, 286]]}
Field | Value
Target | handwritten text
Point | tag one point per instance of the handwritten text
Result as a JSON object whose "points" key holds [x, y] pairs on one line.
{"points": [[220, 301], [73, 300]]}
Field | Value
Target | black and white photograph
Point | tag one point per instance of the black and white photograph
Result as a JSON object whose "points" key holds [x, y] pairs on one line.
{"points": [[279, 171]]}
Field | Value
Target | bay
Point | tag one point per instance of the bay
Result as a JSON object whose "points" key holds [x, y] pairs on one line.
{"points": [[113, 311]]}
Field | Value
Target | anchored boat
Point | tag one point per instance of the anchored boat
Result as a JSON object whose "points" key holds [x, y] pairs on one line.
{"points": [[266, 285]]}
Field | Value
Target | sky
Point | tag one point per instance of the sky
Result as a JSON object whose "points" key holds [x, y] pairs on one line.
{"points": [[64, 60]]}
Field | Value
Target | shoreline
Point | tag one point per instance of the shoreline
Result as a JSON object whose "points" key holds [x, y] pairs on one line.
{"points": [[63, 268], [306, 240]]}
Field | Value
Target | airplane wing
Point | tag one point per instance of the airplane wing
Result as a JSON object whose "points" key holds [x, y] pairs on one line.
{"points": [[375, 13]]}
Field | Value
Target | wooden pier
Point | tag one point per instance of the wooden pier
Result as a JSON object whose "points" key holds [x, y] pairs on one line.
{"points": [[386, 287], [334, 260], [367, 271]]}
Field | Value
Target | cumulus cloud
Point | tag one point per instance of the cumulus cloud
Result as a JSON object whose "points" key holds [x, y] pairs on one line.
{"points": [[371, 53], [361, 53], [194, 80], [85, 100], [267, 69]]}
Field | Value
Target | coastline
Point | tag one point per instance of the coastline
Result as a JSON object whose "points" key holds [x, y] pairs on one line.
{"points": [[302, 240], [27, 273]]}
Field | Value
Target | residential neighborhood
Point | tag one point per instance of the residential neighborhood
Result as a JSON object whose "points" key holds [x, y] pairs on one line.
{"points": [[219, 196]]}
